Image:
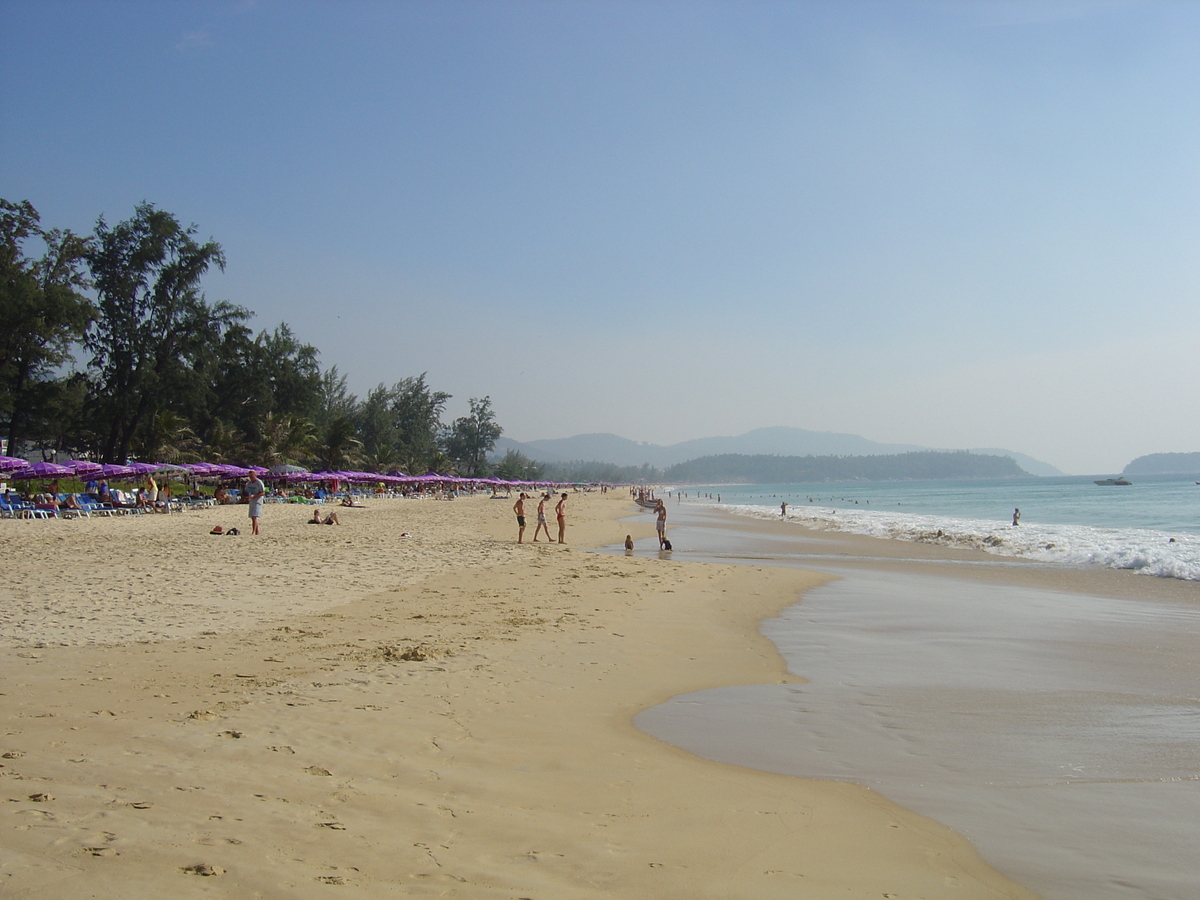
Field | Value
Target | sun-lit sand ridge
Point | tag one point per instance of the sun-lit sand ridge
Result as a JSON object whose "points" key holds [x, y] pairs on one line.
{"points": [[341, 711]]}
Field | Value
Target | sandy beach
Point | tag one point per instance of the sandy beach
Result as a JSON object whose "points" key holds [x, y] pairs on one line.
{"points": [[341, 709]]}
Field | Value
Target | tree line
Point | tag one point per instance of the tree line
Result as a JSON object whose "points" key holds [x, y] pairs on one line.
{"points": [[110, 349], [918, 465]]}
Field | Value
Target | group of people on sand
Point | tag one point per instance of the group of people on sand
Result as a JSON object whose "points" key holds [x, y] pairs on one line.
{"points": [[560, 510], [660, 525]]}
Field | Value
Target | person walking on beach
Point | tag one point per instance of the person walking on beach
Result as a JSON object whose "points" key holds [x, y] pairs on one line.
{"points": [[519, 509], [541, 522], [660, 523], [560, 510], [1016, 517], [255, 491]]}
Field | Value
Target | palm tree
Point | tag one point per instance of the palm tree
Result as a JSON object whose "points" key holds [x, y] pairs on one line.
{"points": [[225, 444], [341, 446], [169, 439], [284, 440]]}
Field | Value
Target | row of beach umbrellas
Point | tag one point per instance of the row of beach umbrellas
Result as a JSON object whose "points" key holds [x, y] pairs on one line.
{"points": [[12, 467]]}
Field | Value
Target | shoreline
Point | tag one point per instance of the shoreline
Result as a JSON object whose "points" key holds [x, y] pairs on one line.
{"points": [[448, 714], [793, 538], [1017, 702]]}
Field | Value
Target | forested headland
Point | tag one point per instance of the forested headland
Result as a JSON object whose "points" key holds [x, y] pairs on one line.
{"points": [[739, 468], [1165, 464], [109, 349]]}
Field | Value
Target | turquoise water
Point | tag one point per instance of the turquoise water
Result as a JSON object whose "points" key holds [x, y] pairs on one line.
{"points": [[1151, 526], [1161, 504]]}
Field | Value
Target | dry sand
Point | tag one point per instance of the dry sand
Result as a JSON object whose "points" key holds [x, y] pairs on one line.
{"points": [[343, 712]]}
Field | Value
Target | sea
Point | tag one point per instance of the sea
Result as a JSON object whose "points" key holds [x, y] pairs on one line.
{"points": [[1151, 526], [1058, 731]]}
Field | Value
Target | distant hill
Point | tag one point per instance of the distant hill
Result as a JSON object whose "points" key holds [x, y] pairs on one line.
{"points": [[925, 464], [779, 441], [1165, 464]]}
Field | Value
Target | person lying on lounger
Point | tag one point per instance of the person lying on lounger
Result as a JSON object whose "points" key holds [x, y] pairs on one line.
{"points": [[331, 519]]}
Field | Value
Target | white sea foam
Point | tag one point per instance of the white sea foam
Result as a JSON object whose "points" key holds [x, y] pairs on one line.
{"points": [[1160, 553]]}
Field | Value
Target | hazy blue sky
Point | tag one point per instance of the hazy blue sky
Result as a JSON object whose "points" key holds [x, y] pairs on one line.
{"points": [[955, 224]]}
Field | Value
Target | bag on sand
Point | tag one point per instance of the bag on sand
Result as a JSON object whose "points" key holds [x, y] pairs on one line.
{"points": [[217, 529]]}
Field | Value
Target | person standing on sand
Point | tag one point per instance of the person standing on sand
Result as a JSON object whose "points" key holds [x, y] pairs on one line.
{"points": [[541, 522], [560, 509], [519, 509], [660, 523], [255, 491]]}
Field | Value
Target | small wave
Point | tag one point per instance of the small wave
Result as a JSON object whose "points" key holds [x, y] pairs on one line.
{"points": [[1160, 553]]}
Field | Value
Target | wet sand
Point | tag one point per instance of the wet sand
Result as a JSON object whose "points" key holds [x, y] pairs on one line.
{"points": [[1051, 715]]}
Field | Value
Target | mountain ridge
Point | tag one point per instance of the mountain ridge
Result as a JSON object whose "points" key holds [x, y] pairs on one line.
{"points": [[776, 440]]}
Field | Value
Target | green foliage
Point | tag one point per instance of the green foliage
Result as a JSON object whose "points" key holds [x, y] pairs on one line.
{"points": [[399, 425], [173, 378], [471, 437], [154, 332], [42, 312], [581, 472], [516, 466], [339, 448]]}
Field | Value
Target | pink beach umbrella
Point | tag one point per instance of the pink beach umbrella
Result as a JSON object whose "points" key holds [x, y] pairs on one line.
{"points": [[202, 469], [9, 463], [85, 468], [46, 470]]}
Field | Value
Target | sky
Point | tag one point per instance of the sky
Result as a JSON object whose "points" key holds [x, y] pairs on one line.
{"points": [[939, 222]]}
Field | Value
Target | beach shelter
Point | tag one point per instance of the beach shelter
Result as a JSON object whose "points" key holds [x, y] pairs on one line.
{"points": [[84, 468], [44, 470], [8, 463], [287, 470], [112, 470], [203, 469]]}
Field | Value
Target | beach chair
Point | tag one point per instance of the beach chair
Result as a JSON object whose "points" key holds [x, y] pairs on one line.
{"points": [[95, 506], [28, 511]]}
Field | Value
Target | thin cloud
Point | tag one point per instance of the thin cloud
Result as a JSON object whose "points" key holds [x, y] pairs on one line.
{"points": [[194, 42]]}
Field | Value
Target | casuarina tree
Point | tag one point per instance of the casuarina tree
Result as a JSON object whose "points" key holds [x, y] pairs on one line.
{"points": [[154, 328], [472, 437], [42, 312]]}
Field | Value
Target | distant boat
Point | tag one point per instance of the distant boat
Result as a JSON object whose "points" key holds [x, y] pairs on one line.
{"points": [[1117, 481]]}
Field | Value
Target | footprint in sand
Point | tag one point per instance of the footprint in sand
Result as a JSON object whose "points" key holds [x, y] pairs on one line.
{"points": [[202, 869], [317, 770]]}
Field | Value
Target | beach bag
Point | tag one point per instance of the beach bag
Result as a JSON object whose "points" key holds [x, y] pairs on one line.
{"points": [[217, 529]]}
